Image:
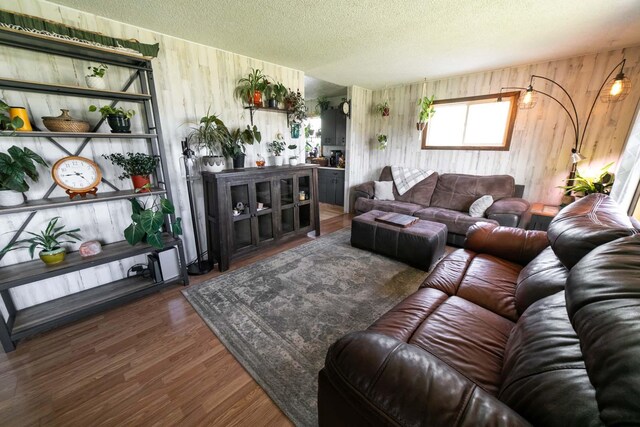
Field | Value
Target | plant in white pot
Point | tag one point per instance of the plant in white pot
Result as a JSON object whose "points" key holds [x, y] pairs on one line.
{"points": [[211, 136], [16, 165], [95, 80], [50, 241], [276, 147], [293, 159]]}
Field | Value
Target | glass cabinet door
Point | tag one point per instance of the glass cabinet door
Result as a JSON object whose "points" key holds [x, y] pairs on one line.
{"points": [[241, 212], [304, 188], [305, 196], [264, 211]]}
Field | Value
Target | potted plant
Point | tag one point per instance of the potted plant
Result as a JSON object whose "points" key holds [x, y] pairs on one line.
{"points": [[426, 111], [6, 122], [234, 147], [293, 160], [249, 89], [119, 119], [586, 185], [322, 104], [147, 221], [15, 166], [137, 166], [275, 93], [276, 147], [383, 108], [382, 141], [210, 136], [95, 80], [295, 103], [49, 240]]}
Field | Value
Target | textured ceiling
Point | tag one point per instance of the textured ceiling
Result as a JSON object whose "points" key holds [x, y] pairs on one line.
{"points": [[374, 43]]}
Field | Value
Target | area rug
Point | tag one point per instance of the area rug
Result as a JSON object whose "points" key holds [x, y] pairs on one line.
{"points": [[279, 316]]}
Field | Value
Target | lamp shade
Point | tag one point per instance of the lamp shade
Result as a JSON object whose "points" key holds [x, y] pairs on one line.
{"points": [[528, 100], [576, 156], [616, 89]]}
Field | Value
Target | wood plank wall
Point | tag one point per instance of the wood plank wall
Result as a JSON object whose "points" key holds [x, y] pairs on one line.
{"points": [[542, 140], [190, 79]]}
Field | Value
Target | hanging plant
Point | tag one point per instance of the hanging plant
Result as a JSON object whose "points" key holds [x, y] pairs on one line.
{"points": [[383, 108], [322, 104], [426, 111], [382, 141]]}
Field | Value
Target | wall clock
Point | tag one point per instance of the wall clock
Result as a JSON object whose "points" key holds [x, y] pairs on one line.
{"points": [[77, 175], [345, 108]]}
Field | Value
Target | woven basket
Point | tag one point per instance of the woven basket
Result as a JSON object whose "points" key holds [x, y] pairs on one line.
{"points": [[65, 123]]}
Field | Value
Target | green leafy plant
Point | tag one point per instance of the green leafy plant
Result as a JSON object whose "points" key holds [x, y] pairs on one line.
{"points": [[16, 165], [295, 103], [293, 147], [211, 135], [6, 122], [276, 147], [382, 141], [275, 91], [134, 163], [107, 110], [98, 71], [147, 221], [383, 108], [247, 86], [426, 108], [49, 240], [591, 185], [322, 104], [238, 139]]}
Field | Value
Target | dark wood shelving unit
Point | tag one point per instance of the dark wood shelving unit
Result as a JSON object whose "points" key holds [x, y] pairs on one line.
{"points": [[252, 109], [27, 321]]}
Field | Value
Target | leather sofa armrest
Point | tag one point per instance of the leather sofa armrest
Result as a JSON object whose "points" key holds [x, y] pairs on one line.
{"points": [[373, 379], [513, 244], [366, 190], [510, 212]]}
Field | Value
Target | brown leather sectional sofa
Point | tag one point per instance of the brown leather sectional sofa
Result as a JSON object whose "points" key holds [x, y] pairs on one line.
{"points": [[446, 199], [518, 328]]}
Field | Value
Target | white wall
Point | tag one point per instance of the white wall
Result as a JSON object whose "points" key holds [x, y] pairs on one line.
{"points": [[190, 78]]}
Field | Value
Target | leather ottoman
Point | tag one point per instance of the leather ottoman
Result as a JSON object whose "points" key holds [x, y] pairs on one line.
{"points": [[419, 245]]}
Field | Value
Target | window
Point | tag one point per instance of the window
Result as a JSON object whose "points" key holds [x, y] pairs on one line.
{"points": [[474, 123]]}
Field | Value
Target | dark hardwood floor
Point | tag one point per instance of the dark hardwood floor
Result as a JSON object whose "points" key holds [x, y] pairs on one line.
{"points": [[151, 362]]}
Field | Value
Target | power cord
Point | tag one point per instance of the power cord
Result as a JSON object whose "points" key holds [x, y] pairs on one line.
{"points": [[139, 270]]}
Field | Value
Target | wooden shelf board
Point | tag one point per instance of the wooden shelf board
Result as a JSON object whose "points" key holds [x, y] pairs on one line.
{"points": [[32, 271], [275, 110], [61, 202], [29, 86], [94, 135], [52, 313]]}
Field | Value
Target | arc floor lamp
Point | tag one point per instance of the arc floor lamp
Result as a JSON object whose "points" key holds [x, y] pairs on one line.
{"points": [[611, 90]]}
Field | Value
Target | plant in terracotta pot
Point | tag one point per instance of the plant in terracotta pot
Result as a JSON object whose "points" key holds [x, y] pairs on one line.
{"points": [[119, 119], [49, 241], [276, 147], [16, 165], [137, 166], [293, 160], [210, 136], [426, 111], [8, 125], [147, 221], [249, 89], [383, 108], [234, 147], [95, 80]]}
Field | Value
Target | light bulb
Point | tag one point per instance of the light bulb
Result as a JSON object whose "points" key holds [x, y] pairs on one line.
{"points": [[616, 88], [527, 97]]}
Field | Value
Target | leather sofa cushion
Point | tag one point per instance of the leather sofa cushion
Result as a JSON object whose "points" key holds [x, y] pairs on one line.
{"points": [[586, 224], [365, 205], [482, 279], [543, 276], [458, 192], [419, 194], [603, 302], [512, 244], [465, 336], [545, 378], [456, 222]]}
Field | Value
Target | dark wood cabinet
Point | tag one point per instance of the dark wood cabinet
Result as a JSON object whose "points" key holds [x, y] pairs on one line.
{"points": [[331, 186], [334, 127], [249, 209]]}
